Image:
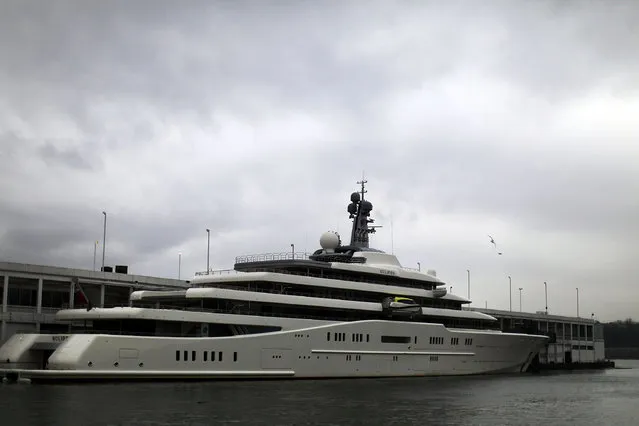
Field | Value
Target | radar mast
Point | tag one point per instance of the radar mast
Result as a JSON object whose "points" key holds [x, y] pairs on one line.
{"points": [[360, 210]]}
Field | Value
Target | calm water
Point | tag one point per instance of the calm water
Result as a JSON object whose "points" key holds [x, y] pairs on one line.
{"points": [[585, 398]]}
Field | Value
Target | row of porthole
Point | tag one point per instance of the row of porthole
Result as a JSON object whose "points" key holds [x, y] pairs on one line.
{"points": [[453, 341], [359, 337], [301, 335], [205, 356], [115, 364], [341, 337], [308, 357]]}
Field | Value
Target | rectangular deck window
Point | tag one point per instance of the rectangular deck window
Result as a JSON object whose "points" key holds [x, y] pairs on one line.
{"points": [[193, 355], [177, 355], [234, 356], [395, 339], [206, 355], [220, 356]]}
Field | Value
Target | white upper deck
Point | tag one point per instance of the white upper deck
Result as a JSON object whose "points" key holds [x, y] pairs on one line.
{"points": [[381, 263], [355, 266]]}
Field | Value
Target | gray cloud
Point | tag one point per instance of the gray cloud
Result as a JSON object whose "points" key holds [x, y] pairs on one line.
{"points": [[69, 157], [255, 121]]}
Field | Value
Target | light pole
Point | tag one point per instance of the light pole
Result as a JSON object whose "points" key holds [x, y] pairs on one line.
{"points": [[208, 249], [468, 272], [293, 251], [546, 293], [510, 288], [95, 249], [577, 302], [520, 289], [104, 239], [179, 265]]}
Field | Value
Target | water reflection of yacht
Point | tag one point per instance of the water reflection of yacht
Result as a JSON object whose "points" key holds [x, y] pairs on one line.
{"points": [[336, 313]]}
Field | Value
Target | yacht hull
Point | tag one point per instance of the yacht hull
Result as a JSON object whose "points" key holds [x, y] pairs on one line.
{"points": [[373, 348]]}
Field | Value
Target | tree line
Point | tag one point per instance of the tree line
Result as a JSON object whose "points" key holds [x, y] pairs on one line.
{"points": [[621, 334]]}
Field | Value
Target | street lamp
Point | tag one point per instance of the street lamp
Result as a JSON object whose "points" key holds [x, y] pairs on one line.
{"points": [[95, 249], [520, 289], [104, 239], [577, 302], [468, 272], [510, 289], [208, 249], [546, 293]]}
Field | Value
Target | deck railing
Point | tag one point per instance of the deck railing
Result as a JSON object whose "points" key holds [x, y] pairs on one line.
{"points": [[262, 257], [216, 272], [272, 256]]}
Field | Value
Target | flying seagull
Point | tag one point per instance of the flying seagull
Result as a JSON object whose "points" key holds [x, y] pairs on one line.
{"points": [[492, 240]]}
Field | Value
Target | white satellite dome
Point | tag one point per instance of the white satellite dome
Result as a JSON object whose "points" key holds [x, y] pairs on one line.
{"points": [[330, 240]]}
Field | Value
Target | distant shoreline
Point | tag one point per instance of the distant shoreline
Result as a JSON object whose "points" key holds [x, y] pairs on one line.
{"points": [[622, 353]]}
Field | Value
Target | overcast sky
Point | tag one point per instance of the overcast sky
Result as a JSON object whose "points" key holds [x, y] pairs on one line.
{"points": [[256, 119]]}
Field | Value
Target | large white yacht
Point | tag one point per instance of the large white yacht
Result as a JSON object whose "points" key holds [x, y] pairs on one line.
{"points": [[343, 311]]}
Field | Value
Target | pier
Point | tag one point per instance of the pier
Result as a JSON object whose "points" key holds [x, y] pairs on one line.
{"points": [[32, 294], [574, 343]]}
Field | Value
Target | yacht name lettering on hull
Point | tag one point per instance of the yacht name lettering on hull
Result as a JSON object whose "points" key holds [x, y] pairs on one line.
{"points": [[59, 338], [387, 272]]}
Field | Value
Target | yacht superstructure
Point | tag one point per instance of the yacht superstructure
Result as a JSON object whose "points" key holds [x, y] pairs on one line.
{"points": [[343, 311]]}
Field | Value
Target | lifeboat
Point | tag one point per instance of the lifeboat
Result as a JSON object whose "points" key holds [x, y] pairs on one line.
{"points": [[401, 305], [439, 292]]}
